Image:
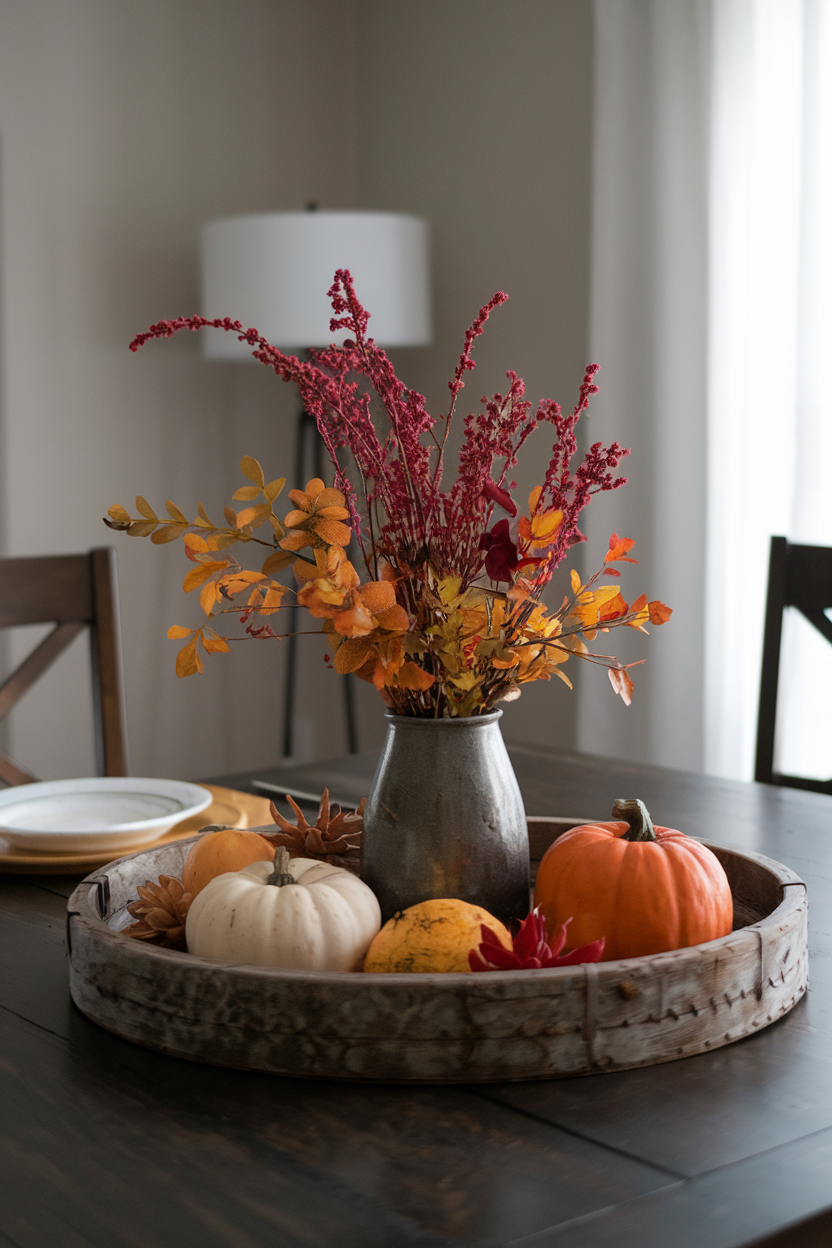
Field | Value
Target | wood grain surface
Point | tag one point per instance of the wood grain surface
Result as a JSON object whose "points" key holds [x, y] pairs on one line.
{"points": [[105, 1143]]}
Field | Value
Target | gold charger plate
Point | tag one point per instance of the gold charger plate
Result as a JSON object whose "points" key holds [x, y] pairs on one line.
{"points": [[240, 810]]}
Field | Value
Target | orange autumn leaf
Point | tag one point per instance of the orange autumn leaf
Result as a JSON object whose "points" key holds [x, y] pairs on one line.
{"points": [[333, 532], [197, 576], [188, 662], [213, 643], [176, 632], [209, 596], [394, 619], [640, 614], [619, 546], [377, 596], [540, 530], [235, 581], [658, 612], [411, 676], [269, 602], [352, 654], [354, 622], [195, 545], [254, 516], [614, 608]]}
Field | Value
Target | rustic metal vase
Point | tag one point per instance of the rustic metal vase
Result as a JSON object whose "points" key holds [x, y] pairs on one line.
{"points": [[445, 818]]}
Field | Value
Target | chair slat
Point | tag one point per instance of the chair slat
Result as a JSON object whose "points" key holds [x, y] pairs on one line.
{"points": [[800, 577], [73, 591], [33, 667], [12, 773], [45, 588]]}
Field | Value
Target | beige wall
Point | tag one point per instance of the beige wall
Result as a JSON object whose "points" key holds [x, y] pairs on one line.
{"points": [[477, 114], [121, 132]]}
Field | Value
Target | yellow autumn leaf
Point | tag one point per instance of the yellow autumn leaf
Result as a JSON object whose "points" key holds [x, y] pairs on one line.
{"points": [[174, 513], [144, 509], [210, 594], [272, 600], [118, 513], [255, 516], [277, 562], [213, 643], [141, 528], [250, 468], [167, 533], [196, 577], [274, 489], [246, 493], [220, 541], [448, 588], [188, 661], [534, 498], [176, 632], [193, 542], [352, 654]]}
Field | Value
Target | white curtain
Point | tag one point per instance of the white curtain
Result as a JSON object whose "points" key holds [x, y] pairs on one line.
{"points": [[770, 404], [712, 320]]}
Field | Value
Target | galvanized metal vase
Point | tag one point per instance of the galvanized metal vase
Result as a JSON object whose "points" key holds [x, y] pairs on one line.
{"points": [[445, 818]]}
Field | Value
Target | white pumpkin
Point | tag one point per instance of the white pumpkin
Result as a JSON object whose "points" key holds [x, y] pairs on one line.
{"points": [[299, 914]]}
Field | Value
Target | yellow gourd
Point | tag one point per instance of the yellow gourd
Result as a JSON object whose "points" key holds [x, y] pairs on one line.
{"points": [[435, 935]]}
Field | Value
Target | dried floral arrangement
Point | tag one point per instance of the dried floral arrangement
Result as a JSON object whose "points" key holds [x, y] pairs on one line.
{"points": [[448, 620]]}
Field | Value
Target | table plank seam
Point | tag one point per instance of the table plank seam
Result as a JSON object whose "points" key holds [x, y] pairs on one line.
{"points": [[56, 1035], [544, 1235], [495, 1099]]}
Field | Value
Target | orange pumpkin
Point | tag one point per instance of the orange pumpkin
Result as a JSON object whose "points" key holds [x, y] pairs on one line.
{"points": [[644, 889], [219, 852]]}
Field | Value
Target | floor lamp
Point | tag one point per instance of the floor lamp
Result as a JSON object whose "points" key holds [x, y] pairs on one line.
{"points": [[272, 270]]}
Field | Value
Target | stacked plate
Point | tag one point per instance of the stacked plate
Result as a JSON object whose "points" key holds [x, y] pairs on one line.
{"points": [[66, 826]]}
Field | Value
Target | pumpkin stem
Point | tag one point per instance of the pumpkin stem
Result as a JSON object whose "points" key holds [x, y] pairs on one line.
{"points": [[634, 812], [281, 874]]}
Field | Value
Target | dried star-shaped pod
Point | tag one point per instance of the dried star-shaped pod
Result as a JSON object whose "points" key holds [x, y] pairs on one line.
{"points": [[335, 833], [160, 912]]}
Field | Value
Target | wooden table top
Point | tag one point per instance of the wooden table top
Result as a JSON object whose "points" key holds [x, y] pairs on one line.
{"points": [[103, 1143]]}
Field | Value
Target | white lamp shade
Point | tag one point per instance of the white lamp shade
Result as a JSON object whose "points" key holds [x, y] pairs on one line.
{"points": [[272, 271]]}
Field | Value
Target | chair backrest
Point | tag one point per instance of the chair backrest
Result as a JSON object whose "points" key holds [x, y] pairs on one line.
{"points": [[800, 577], [74, 592]]}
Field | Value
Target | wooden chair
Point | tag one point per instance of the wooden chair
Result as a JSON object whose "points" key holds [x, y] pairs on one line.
{"points": [[75, 592], [800, 577]]}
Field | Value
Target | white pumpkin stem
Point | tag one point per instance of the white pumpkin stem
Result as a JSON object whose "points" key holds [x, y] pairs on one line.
{"points": [[281, 874], [633, 811]]}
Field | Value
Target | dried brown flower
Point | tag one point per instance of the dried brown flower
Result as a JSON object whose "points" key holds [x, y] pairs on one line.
{"points": [[335, 833], [160, 912]]}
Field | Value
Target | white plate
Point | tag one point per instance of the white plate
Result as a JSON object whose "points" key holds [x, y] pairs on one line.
{"points": [[102, 813]]}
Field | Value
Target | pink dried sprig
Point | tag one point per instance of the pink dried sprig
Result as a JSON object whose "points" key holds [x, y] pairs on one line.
{"points": [[530, 951], [407, 518]]}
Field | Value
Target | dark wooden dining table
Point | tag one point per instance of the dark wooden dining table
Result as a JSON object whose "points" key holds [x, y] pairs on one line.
{"points": [[105, 1143]]}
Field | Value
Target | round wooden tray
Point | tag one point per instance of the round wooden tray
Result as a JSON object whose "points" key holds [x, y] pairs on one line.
{"points": [[494, 1026]]}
